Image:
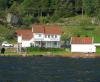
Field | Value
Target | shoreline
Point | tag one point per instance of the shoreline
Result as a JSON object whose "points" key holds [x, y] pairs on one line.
{"points": [[82, 55], [67, 55]]}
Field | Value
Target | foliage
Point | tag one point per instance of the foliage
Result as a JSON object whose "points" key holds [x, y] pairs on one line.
{"points": [[10, 36], [44, 20], [27, 20], [30, 49], [50, 11], [7, 34], [14, 8], [89, 28], [3, 4], [42, 9], [98, 49], [65, 37]]}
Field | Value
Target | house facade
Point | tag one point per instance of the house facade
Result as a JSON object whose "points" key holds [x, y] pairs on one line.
{"points": [[47, 36], [82, 44]]}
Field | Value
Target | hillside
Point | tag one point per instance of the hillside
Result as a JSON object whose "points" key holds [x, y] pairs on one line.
{"points": [[72, 26], [6, 34], [80, 26], [76, 17], [46, 11]]}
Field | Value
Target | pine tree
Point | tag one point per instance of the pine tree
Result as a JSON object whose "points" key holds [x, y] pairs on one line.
{"points": [[88, 6], [3, 4]]}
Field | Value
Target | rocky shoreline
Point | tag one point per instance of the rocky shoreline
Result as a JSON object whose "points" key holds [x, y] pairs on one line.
{"points": [[82, 55], [76, 55], [67, 55]]}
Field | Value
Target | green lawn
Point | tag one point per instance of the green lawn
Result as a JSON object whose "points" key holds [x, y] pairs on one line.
{"points": [[80, 26], [98, 50], [37, 51]]}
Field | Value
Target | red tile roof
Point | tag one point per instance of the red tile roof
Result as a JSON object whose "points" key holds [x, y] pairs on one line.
{"points": [[47, 29], [26, 34], [38, 28], [81, 40]]}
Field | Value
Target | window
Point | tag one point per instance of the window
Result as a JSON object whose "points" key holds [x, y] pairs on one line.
{"points": [[39, 35], [55, 43], [52, 36], [55, 36], [45, 36], [48, 36]]}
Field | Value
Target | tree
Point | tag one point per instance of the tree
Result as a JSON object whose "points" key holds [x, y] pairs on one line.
{"points": [[88, 6], [97, 8], [14, 8], [78, 6], [64, 8], [3, 4]]}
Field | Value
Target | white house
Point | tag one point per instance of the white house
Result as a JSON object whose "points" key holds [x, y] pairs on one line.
{"points": [[47, 36], [82, 44]]}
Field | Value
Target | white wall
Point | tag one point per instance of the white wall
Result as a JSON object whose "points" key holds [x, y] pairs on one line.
{"points": [[83, 48], [97, 44], [37, 37], [25, 43], [57, 38], [19, 39], [43, 38]]}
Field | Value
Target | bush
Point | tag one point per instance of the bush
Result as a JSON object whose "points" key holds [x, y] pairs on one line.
{"points": [[43, 19], [98, 49], [30, 49], [88, 28], [27, 19], [54, 18]]}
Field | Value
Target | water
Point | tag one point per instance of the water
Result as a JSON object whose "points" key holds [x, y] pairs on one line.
{"points": [[49, 69]]}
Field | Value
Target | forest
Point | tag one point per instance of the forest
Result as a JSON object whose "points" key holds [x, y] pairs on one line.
{"points": [[45, 11]]}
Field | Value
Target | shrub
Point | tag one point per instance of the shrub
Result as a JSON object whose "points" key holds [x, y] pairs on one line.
{"points": [[27, 19], [30, 49], [43, 19], [88, 28]]}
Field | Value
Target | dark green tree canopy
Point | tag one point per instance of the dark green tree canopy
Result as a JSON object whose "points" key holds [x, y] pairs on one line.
{"points": [[51, 9]]}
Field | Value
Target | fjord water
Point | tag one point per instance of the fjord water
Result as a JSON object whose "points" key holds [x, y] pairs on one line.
{"points": [[49, 69]]}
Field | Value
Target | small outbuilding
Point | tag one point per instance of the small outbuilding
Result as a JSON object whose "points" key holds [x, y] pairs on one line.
{"points": [[82, 44]]}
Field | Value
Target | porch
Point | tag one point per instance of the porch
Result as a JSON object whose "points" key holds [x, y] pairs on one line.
{"points": [[47, 44]]}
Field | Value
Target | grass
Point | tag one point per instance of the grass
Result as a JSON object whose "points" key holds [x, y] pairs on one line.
{"points": [[98, 50], [47, 51], [57, 52], [78, 25], [36, 52]]}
